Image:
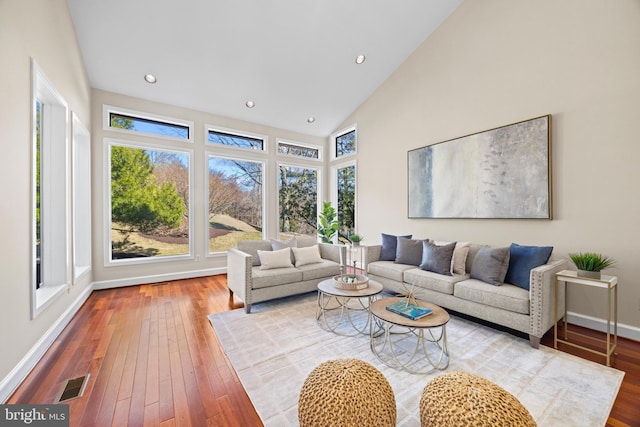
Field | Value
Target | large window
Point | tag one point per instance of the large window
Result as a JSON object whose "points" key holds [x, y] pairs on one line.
{"points": [[50, 175], [235, 201], [346, 192], [297, 200], [149, 202]]}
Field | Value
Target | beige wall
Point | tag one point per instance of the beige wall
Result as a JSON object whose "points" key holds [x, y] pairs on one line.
{"points": [[495, 62], [201, 263], [42, 30]]}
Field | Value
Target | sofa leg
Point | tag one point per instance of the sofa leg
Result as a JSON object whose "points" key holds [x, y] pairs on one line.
{"points": [[534, 341], [230, 293], [247, 308]]}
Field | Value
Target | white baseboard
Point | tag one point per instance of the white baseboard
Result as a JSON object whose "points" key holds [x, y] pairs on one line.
{"points": [[11, 382], [130, 281], [595, 323]]}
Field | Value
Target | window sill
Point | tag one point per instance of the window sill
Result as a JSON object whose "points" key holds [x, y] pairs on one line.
{"points": [[45, 296]]}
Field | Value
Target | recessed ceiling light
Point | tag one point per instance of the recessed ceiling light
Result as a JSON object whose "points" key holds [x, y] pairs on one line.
{"points": [[250, 104], [360, 59], [150, 78], [311, 119]]}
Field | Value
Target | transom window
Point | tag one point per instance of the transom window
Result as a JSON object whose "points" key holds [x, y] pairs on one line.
{"points": [[141, 123], [231, 139], [298, 150], [345, 143]]}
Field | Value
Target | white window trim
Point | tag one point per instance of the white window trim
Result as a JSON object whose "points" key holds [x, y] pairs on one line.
{"points": [[341, 132], [81, 198], [108, 262], [264, 138], [55, 128], [299, 144], [106, 123], [265, 215], [319, 192]]}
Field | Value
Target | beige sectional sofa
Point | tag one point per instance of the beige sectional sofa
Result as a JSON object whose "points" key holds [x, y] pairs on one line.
{"points": [[248, 279], [529, 311]]}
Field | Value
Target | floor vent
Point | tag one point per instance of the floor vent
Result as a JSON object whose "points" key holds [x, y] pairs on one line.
{"points": [[73, 388]]}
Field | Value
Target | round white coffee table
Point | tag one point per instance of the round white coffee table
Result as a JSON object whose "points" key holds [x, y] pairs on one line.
{"points": [[345, 312], [416, 346]]}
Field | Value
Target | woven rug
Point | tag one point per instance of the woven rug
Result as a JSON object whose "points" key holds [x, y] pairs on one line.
{"points": [[274, 348]]}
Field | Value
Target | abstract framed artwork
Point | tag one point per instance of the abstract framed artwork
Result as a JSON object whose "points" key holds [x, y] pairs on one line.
{"points": [[499, 173]]}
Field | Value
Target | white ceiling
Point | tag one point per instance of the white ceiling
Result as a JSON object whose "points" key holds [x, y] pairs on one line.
{"points": [[293, 58]]}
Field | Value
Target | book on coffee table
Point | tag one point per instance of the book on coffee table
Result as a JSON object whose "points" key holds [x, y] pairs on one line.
{"points": [[409, 310]]}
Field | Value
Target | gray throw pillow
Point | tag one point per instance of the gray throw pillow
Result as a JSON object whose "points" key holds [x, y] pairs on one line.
{"points": [[252, 247], [390, 246], [490, 265], [277, 245], [437, 258], [409, 251]]}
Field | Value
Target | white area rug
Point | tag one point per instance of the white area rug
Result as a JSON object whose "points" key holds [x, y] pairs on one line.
{"points": [[274, 348]]}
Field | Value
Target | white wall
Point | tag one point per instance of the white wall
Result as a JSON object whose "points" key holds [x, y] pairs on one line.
{"points": [[42, 30], [496, 62]]}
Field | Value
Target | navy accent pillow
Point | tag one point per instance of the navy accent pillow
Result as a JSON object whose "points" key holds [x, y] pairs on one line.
{"points": [[409, 251], [437, 258], [389, 246], [522, 259]]}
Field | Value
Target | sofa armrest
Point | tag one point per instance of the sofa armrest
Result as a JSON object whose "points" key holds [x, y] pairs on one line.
{"points": [[372, 254], [541, 297], [239, 279]]}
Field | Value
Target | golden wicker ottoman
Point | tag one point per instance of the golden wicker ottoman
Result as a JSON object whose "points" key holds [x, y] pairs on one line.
{"points": [[463, 399], [346, 392]]}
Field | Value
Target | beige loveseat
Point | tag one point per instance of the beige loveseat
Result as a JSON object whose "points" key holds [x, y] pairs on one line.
{"points": [[253, 284], [529, 311]]}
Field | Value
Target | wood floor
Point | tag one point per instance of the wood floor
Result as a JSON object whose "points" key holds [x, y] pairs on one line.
{"points": [[154, 359]]}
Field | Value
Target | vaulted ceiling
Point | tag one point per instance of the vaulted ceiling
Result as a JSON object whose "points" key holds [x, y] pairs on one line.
{"points": [[295, 59]]}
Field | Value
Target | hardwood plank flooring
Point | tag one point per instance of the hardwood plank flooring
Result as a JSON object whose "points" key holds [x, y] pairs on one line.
{"points": [[155, 360]]}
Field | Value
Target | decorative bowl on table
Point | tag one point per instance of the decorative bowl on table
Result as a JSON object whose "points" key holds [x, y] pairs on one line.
{"points": [[352, 282]]}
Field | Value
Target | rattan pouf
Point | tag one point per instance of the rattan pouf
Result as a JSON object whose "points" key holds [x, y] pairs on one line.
{"points": [[463, 399], [346, 392]]}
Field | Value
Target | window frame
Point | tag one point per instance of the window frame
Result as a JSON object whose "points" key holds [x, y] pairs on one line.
{"points": [[106, 123], [56, 233], [299, 144], [333, 139], [234, 156], [108, 250], [235, 132], [334, 168], [81, 198]]}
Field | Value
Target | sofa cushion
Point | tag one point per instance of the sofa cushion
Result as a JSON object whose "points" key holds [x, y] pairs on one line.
{"points": [[388, 269], [308, 255], [432, 281], [318, 270], [390, 246], [508, 297], [409, 251], [459, 259], [274, 276], [522, 259], [490, 265], [437, 258], [275, 259], [306, 241], [277, 245], [252, 246]]}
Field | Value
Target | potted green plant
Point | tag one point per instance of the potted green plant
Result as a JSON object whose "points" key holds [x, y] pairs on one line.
{"points": [[590, 264], [328, 223], [355, 239]]}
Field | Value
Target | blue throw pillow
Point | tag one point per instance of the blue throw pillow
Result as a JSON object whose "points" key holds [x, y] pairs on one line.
{"points": [[522, 259], [409, 251], [389, 246]]}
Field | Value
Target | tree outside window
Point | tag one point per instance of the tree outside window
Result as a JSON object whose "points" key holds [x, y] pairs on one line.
{"points": [[297, 201]]}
